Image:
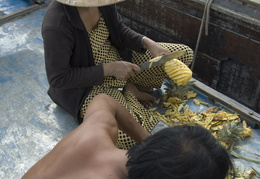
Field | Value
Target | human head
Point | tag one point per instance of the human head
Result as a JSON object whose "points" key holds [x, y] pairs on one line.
{"points": [[180, 152], [89, 3]]}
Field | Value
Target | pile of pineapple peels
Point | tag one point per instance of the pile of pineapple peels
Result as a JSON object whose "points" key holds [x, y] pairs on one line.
{"points": [[225, 126]]}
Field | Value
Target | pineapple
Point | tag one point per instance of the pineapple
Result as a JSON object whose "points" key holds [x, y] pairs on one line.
{"points": [[179, 91], [230, 133], [178, 71]]}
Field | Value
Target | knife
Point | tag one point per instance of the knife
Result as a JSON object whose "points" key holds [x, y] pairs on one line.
{"points": [[162, 59]]}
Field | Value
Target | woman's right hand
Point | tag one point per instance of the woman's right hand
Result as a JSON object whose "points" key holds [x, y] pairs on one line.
{"points": [[121, 70]]}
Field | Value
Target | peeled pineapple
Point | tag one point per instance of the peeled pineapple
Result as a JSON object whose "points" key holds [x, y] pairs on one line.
{"points": [[178, 71]]}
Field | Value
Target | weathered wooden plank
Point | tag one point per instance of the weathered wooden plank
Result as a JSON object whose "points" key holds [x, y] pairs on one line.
{"points": [[234, 36], [252, 2], [244, 112], [174, 20]]}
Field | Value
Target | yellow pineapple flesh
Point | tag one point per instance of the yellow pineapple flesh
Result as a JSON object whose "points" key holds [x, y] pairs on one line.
{"points": [[178, 71]]}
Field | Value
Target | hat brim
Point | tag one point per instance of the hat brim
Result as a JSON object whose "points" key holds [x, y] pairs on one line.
{"points": [[89, 3]]}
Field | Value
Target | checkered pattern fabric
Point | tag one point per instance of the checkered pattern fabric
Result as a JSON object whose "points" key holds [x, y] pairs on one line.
{"points": [[105, 52]]}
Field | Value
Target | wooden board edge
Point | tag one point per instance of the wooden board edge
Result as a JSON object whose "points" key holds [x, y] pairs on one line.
{"points": [[245, 113]]}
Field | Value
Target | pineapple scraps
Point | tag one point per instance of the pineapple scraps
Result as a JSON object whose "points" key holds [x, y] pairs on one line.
{"points": [[198, 102]]}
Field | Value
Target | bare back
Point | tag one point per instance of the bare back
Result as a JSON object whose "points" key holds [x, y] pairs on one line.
{"points": [[87, 152]]}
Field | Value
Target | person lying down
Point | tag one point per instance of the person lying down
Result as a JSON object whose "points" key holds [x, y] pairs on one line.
{"points": [[90, 152]]}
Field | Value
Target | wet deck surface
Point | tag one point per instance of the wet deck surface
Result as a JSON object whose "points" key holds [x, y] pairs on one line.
{"points": [[30, 124], [10, 6]]}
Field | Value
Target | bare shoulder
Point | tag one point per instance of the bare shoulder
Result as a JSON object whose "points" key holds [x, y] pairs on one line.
{"points": [[109, 164], [101, 123], [76, 154]]}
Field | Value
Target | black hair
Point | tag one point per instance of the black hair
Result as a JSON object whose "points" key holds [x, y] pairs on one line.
{"points": [[180, 152]]}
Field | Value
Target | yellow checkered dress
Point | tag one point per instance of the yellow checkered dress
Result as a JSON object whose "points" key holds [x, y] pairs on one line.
{"points": [[104, 52]]}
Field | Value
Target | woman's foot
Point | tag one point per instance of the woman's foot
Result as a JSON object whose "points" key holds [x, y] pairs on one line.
{"points": [[144, 89], [144, 98]]}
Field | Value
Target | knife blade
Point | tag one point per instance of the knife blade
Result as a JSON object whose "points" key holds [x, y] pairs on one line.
{"points": [[162, 60]]}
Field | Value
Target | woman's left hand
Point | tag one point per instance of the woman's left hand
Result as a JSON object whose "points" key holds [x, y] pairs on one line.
{"points": [[154, 48]]}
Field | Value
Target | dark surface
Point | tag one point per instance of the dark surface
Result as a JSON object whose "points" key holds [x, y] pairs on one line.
{"points": [[228, 58]]}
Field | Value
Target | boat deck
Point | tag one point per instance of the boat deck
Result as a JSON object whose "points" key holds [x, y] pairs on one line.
{"points": [[30, 123], [11, 6]]}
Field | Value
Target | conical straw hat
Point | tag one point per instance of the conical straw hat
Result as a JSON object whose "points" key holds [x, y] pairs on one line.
{"points": [[89, 3]]}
